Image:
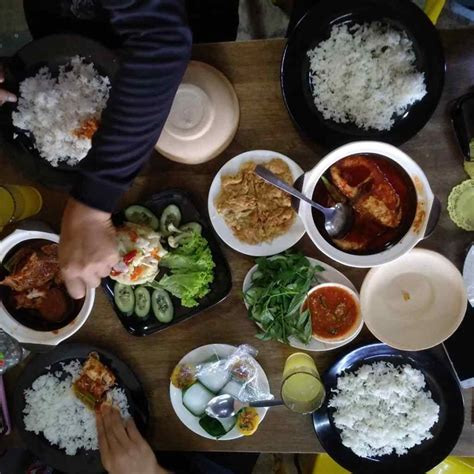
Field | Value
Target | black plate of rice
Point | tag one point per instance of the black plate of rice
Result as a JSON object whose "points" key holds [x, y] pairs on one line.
{"points": [[84, 460], [444, 390], [52, 52], [315, 27]]}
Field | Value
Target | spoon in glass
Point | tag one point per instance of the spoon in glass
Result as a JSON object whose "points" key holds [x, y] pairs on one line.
{"points": [[225, 406], [337, 219]]}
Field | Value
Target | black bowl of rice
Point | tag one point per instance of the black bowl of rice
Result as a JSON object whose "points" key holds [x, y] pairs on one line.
{"points": [[365, 70]]}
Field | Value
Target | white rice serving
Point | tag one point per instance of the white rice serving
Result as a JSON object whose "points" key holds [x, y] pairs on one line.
{"points": [[51, 109], [51, 408], [381, 409], [365, 74]]}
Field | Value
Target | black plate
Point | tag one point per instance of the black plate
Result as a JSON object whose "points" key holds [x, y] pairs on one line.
{"points": [[220, 287], [84, 461], [316, 26], [463, 122], [52, 51], [445, 391]]}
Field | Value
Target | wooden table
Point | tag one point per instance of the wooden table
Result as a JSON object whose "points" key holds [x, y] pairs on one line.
{"points": [[253, 68]]}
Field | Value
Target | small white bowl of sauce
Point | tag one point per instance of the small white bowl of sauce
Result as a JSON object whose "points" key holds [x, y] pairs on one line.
{"points": [[335, 312]]}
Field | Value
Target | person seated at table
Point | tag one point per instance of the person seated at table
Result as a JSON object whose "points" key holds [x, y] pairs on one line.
{"points": [[123, 450], [156, 40]]}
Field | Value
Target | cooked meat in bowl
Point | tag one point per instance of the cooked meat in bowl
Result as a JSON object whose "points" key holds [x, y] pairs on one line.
{"points": [[380, 192], [33, 291]]}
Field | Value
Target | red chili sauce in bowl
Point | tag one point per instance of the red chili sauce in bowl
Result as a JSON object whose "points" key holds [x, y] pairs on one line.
{"points": [[334, 312]]}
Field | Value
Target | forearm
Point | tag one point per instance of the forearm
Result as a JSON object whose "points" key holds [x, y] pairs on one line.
{"points": [[157, 45]]}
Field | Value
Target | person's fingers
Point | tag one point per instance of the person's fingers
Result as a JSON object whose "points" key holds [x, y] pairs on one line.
{"points": [[133, 432], [116, 428], [102, 437], [93, 281], [6, 96], [75, 287], [104, 272]]}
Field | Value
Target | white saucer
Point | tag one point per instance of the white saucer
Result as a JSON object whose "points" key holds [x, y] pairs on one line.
{"points": [[415, 302], [203, 119], [280, 244], [329, 275]]}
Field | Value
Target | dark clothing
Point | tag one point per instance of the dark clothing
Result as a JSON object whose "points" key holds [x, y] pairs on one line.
{"points": [[155, 42], [157, 46]]}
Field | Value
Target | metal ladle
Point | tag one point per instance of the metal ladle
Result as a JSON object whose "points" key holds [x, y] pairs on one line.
{"points": [[337, 219], [224, 406]]}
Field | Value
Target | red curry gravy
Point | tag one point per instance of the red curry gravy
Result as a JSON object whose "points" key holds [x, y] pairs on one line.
{"points": [[367, 235], [333, 310]]}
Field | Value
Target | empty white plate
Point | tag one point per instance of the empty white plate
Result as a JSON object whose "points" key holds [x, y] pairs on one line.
{"points": [[414, 302]]}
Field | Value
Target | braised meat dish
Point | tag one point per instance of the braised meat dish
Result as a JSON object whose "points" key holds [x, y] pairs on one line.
{"points": [[381, 194], [36, 282]]}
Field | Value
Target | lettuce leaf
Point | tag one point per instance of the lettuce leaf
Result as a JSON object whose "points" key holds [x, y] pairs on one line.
{"points": [[191, 270]]}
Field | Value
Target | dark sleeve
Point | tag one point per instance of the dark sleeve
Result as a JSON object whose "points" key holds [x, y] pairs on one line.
{"points": [[157, 47]]}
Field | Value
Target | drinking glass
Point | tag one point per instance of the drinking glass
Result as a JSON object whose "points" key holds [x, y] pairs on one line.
{"points": [[302, 390], [18, 202]]}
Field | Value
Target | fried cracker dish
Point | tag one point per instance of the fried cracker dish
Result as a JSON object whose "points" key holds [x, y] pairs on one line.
{"points": [[255, 210]]}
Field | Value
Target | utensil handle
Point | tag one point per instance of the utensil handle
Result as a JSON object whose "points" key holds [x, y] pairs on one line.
{"points": [[277, 182], [433, 218], [266, 403]]}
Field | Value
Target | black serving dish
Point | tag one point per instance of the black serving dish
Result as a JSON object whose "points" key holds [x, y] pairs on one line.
{"points": [[445, 391], [51, 51], [84, 461], [316, 26], [220, 287]]}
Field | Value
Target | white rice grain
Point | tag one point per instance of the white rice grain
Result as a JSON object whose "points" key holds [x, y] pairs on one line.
{"points": [[365, 74], [51, 109]]}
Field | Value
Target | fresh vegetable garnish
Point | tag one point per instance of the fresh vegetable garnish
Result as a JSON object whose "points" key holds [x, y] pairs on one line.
{"points": [[124, 298], [191, 270], [137, 272], [141, 215], [162, 305], [128, 258], [170, 215], [247, 421], [142, 302], [278, 290], [183, 376]]}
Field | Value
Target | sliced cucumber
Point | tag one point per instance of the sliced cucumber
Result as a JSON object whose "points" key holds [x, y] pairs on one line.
{"points": [[142, 302], [217, 428], [191, 227], [196, 398], [213, 376], [141, 215], [170, 215], [162, 305], [124, 298]]}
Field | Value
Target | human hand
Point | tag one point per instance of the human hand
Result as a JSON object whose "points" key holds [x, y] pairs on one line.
{"points": [[122, 448], [5, 96], [87, 248]]}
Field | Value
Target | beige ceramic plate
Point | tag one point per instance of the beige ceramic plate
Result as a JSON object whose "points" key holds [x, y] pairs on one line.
{"points": [[203, 119], [414, 302]]}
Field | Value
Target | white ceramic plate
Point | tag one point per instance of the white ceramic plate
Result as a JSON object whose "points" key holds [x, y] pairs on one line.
{"points": [[329, 275], [197, 356], [280, 244], [415, 302]]}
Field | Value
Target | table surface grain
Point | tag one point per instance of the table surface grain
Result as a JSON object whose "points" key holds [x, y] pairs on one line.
{"points": [[253, 68]]}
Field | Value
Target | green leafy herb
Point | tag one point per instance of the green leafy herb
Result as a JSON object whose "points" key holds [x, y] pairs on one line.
{"points": [[277, 292], [191, 270]]}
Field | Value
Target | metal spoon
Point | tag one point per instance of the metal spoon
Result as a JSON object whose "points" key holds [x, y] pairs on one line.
{"points": [[224, 406], [337, 220]]}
